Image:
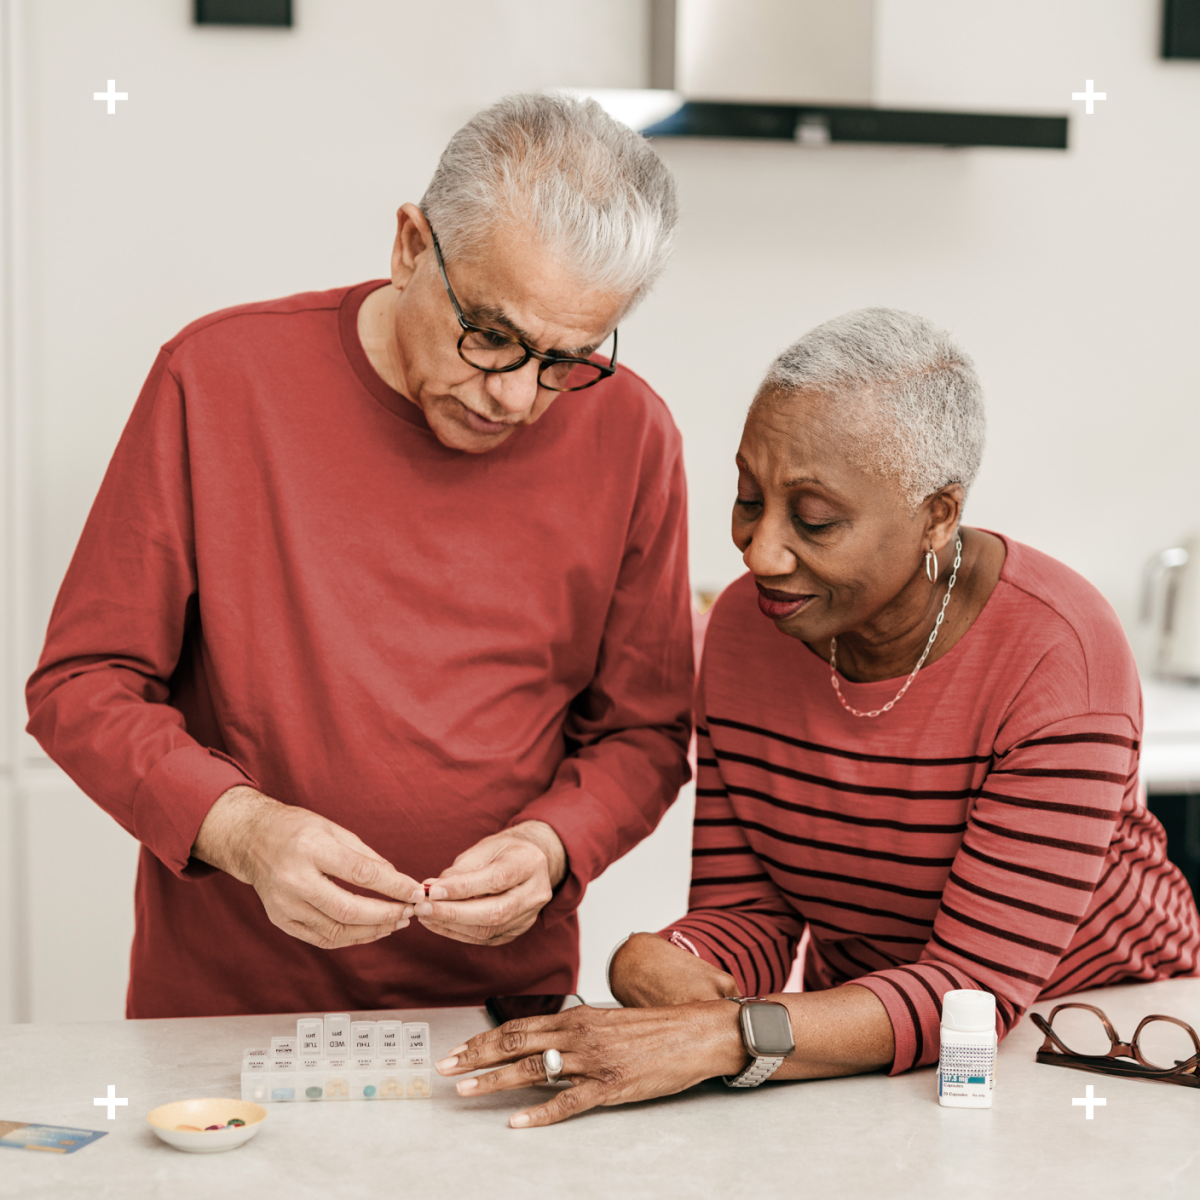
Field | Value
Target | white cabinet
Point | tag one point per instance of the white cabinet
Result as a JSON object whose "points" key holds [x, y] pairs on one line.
{"points": [[1171, 737]]}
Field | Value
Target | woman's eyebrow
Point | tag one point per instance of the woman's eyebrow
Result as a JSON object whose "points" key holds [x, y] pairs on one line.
{"points": [[488, 314]]}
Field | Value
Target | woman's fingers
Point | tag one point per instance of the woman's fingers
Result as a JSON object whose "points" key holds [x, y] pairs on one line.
{"points": [[586, 1093], [523, 1073], [568, 1103], [511, 1041]]}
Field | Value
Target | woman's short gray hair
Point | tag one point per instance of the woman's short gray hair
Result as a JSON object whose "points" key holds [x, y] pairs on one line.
{"points": [[917, 406], [591, 189]]}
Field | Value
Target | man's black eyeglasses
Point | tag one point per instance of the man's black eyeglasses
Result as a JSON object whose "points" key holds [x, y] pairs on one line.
{"points": [[496, 352]]}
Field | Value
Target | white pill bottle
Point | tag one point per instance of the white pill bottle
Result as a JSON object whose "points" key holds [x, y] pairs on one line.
{"points": [[967, 1067]]}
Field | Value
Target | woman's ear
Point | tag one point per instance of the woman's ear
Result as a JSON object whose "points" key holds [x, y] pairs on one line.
{"points": [[943, 511]]}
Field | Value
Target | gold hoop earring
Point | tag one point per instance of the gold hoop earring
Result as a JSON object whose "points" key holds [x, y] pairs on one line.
{"points": [[931, 566]]}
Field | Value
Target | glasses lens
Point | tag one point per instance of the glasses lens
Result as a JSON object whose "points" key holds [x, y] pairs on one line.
{"points": [[1164, 1044], [566, 376], [490, 351], [1082, 1032]]}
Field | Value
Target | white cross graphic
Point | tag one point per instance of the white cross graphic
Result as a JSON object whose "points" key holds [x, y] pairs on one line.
{"points": [[112, 1100], [1089, 1100], [112, 96], [1089, 96]]}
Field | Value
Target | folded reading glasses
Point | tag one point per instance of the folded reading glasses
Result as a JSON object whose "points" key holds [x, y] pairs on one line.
{"points": [[497, 351], [1080, 1036]]}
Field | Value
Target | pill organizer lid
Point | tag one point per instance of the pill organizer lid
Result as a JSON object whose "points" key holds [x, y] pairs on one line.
{"points": [[969, 1011]]}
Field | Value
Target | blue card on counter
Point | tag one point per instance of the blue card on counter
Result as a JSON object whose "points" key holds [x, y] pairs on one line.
{"points": [[54, 1139]]}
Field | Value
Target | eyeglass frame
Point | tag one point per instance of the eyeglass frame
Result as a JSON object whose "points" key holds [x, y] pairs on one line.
{"points": [[1186, 1073], [543, 358]]}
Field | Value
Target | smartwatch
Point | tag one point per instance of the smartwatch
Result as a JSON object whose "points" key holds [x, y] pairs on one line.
{"points": [[767, 1035]]}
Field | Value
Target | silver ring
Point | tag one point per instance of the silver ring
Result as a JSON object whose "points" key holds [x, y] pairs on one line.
{"points": [[552, 1064]]}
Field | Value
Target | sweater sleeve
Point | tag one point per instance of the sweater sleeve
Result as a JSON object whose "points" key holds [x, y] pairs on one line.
{"points": [[628, 732], [1035, 848], [736, 918], [99, 701]]}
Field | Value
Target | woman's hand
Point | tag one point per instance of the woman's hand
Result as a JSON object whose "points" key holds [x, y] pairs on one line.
{"points": [[648, 971], [611, 1055]]}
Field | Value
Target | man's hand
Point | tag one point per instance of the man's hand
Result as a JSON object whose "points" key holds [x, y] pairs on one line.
{"points": [[291, 856], [495, 890], [649, 972]]}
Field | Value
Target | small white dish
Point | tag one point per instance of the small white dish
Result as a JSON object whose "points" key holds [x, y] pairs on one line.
{"points": [[167, 1119]]}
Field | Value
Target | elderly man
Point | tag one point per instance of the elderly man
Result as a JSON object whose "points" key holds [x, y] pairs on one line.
{"points": [[382, 608]]}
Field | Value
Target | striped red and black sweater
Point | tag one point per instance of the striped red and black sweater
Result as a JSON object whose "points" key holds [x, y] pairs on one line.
{"points": [[988, 832]]}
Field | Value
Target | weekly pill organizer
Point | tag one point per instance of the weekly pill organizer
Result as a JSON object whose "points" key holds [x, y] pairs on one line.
{"points": [[338, 1059]]}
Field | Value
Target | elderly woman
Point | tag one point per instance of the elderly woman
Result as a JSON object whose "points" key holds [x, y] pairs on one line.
{"points": [[935, 769]]}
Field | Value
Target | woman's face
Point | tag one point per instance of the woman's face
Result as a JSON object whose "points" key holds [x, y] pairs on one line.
{"points": [[831, 544]]}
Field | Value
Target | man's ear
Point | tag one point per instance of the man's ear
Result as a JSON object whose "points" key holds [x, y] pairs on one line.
{"points": [[943, 511], [413, 238]]}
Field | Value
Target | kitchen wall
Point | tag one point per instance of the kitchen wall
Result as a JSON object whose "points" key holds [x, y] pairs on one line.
{"points": [[250, 163]]}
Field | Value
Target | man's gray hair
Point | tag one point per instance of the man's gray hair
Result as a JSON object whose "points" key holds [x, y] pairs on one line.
{"points": [[914, 403], [589, 188]]}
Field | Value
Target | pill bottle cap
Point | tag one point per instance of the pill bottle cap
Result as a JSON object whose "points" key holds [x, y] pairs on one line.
{"points": [[969, 1011]]}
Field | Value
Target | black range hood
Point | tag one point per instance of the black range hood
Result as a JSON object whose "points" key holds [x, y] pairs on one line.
{"points": [[816, 124]]}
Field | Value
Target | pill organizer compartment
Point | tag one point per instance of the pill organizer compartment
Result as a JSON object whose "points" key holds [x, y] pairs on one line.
{"points": [[337, 1079], [256, 1080], [364, 1082], [310, 1084]]}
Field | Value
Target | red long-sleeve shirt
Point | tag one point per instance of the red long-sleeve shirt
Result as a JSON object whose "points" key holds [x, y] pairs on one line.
{"points": [[287, 579], [988, 832]]}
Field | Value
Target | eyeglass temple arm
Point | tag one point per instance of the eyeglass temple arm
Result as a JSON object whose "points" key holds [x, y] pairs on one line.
{"points": [[1051, 1036]]}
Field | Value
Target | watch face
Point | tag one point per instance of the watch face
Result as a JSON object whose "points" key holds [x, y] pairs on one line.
{"points": [[767, 1027]]}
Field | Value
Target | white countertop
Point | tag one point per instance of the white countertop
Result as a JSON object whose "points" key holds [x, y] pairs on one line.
{"points": [[869, 1136], [1171, 736]]}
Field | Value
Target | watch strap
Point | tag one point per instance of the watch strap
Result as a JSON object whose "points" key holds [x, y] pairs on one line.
{"points": [[759, 1069]]}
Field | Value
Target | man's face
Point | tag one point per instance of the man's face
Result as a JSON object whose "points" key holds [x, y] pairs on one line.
{"points": [[513, 286]]}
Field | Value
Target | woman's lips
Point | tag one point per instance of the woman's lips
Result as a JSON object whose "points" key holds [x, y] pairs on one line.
{"points": [[778, 605]]}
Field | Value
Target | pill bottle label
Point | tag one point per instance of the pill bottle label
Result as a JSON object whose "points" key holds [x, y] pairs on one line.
{"points": [[966, 1072]]}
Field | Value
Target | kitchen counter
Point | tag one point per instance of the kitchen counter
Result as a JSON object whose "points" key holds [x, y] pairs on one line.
{"points": [[886, 1138]]}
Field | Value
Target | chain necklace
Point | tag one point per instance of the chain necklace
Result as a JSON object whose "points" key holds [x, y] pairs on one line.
{"points": [[833, 678]]}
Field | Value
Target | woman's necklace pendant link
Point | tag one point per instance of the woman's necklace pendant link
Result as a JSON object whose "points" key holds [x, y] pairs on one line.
{"points": [[878, 712]]}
